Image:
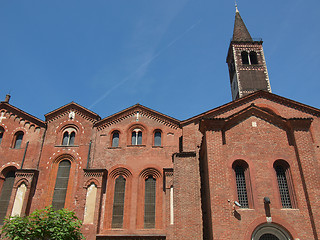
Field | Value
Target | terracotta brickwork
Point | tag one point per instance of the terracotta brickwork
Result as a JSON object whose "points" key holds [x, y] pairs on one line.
{"points": [[239, 171]]}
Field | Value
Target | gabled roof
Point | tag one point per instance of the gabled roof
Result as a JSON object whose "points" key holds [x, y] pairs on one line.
{"points": [[143, 111], [22, 114], [240, 31], [253, 110], [89, 114], [259, 94]]}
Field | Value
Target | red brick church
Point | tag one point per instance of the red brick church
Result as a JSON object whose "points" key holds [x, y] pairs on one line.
{"points": [[249, 169]]}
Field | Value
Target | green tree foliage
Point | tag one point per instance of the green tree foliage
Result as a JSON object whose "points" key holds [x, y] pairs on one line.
{"points": [[43, 224]]}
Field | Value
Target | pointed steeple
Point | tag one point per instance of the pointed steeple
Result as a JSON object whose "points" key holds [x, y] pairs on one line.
{"points": [[240, 31]]}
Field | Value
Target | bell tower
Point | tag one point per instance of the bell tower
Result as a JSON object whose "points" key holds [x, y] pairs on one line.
{"points": [[247, 66]]}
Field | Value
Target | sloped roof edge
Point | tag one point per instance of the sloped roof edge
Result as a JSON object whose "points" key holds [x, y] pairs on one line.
{"points": [[252, 96]]}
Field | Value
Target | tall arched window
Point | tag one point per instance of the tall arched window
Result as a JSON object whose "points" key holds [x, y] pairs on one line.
{"points": [[157, 138], [284, 183], [69, 136], [1, 133], [118, 202], [150, 202], [241, 171], [60, 189], [253, 57], [18, 139], [115, 139], [5, 195], [136, 137], [245, 57]]}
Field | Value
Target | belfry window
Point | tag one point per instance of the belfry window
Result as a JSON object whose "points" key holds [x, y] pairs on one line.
{"points": [[157, 138], [283, 173], [5, 195], [253, 58], [18, 139], [136, 138], [115, 139], [150, 203], [244, 57], [69, 136], [60, 189], [118, 202]]}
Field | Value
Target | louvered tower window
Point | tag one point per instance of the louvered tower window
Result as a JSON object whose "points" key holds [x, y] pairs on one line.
{"points": [[283, 186], [60, 189], [118, 202], [6, 194], [150, 203], [241, 186]]}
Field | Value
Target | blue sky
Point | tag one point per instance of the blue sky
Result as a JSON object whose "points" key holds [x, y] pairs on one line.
{"points": [[168, 55]]}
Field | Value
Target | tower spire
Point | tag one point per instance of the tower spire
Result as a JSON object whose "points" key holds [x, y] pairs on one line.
{"points": [[247, 66], [236, 5], [240, 31]]}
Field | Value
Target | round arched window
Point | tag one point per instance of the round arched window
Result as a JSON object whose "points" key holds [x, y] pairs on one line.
{"points": [[270, 231]]}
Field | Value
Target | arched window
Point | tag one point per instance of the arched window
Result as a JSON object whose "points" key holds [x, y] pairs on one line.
{"points": [[270, 231], [157, 138], [1, 133], [118, 202], [284, 183], [253, 57], [150, 202], [5, 195], [241, 171], [244, 57], [136, 137], [69, 136], [60, 189], [18, 139], [115, 139]]}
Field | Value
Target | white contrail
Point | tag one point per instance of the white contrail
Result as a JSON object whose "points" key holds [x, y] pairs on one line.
{"points": [[110, 90]]}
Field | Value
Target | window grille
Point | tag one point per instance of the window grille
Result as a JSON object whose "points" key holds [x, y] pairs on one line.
{"points": [[241, 186], [60, 189], [6, 194], [150, 203], [283, 187], [268, 236], [115, 139], [157, 139], [118, 202]]}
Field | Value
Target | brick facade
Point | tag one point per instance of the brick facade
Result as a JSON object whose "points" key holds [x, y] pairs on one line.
{"points": [[194, 191]]}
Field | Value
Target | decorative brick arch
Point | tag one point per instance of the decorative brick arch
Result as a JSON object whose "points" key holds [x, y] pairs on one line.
{"points": [[275, 220]]}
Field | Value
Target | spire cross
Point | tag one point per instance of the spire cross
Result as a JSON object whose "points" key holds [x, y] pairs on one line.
{"points": [[2, 117], [236, 5]]}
